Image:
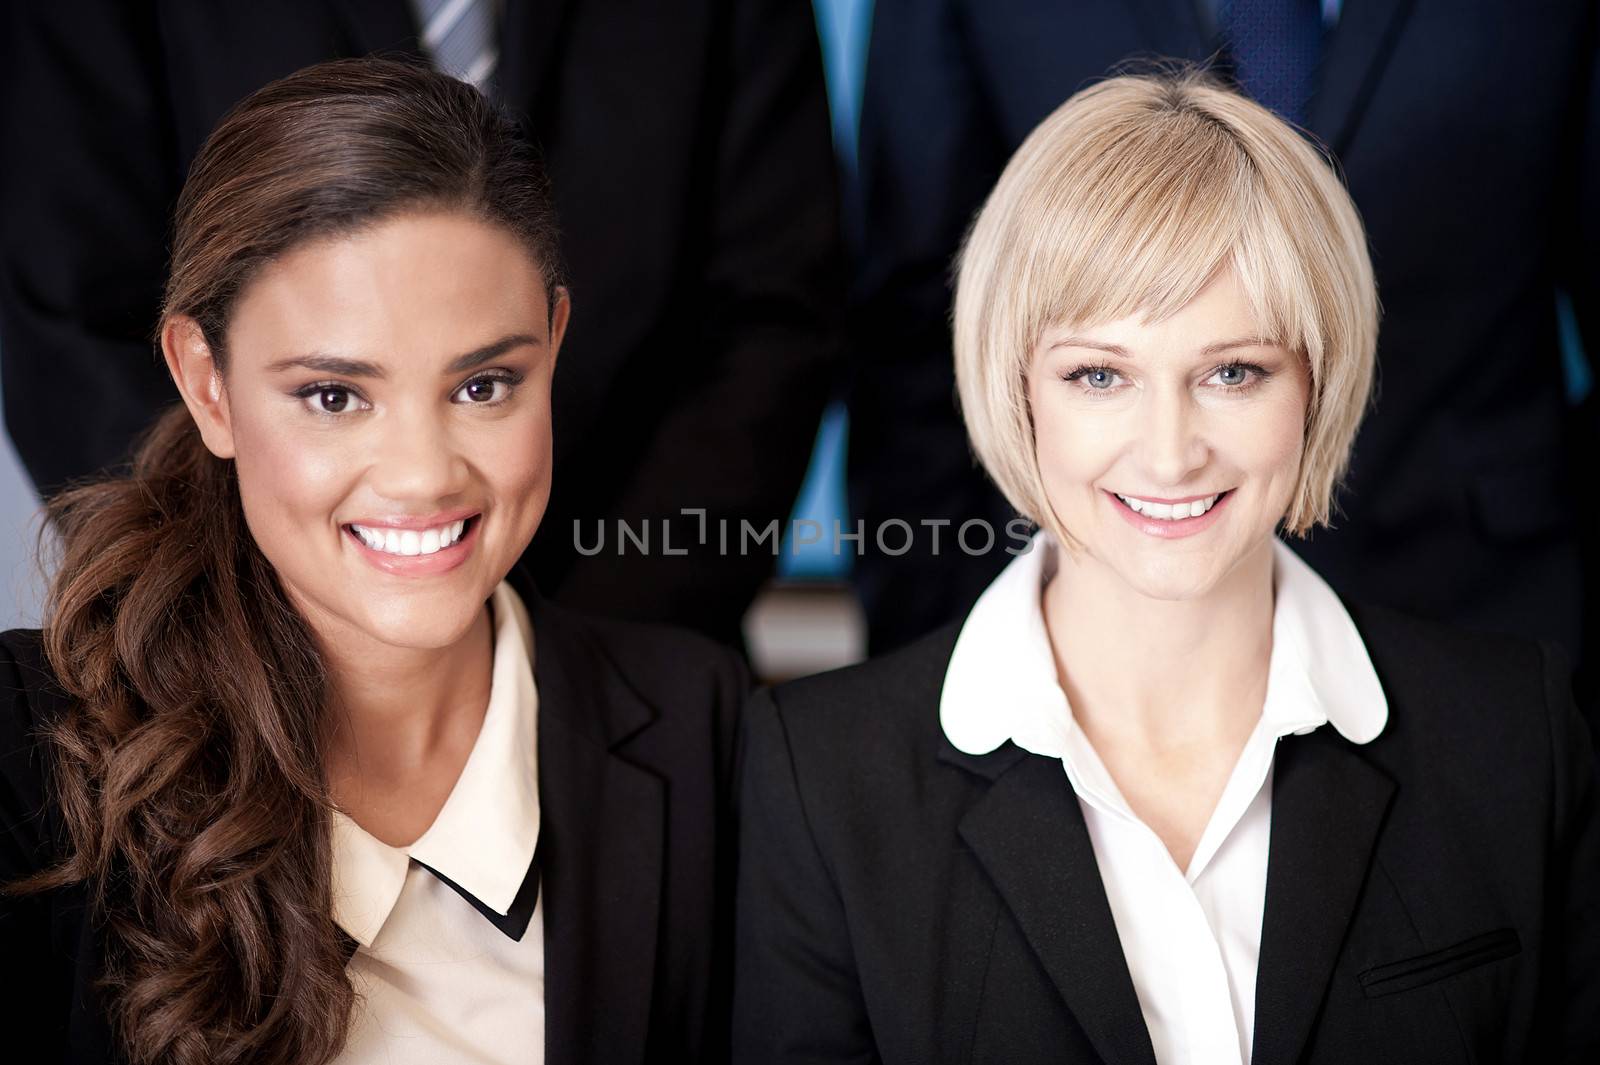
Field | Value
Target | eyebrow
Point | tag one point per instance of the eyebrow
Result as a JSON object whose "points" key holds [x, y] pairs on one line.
{"points": [[345, 367], [1121, 352]]}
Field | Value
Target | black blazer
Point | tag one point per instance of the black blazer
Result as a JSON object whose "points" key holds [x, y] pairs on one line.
{"points": [[1432, 896], [635, 854], [691, 157], [1480, 201]]}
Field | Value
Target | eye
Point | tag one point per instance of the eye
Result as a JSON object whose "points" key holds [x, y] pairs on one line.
{"points": [[487, 389], [1096, 378], [1238, 375], [331, 399]]}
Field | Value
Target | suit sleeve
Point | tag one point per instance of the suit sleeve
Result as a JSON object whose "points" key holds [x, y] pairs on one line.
{"points": [[739, 431], [733, 690], [929, 152], [24, 850], [85, 194], [797, 998], [1572, 948], [1581, 279]]}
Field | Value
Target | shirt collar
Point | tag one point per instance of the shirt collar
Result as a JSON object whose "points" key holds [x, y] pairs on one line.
{"points": [[482, 841], [1001, 681]]}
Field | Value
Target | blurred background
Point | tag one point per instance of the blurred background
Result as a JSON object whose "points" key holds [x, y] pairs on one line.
{"points": [[21, 586], [1470, 499]]}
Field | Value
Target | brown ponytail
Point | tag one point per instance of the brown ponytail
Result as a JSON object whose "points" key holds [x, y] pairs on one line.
{"points": [[190, 772]]}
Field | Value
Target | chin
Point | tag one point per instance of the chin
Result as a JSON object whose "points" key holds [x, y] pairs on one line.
{"points": [[1172, 587], [1175, 578], [422, 623]]}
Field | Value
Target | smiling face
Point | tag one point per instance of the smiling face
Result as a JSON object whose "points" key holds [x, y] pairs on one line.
{"points": [[387, 403], [1169, 450]]}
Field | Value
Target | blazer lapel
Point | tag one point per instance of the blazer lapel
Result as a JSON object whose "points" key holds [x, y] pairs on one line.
{"points": [[1328, 804], [530, 32], [1355, 54], [1029, 834], [347, 943], [378, 26], [601, 842]]}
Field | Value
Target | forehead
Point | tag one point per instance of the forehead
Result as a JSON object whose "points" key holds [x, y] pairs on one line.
{"points": [[1221, 311], [414, 288], [1096, 232]]}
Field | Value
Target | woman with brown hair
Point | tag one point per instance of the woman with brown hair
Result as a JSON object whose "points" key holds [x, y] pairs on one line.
{"points": [[301, 768]]}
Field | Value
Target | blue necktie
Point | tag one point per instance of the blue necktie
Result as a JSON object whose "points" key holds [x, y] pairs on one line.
{"points": [[1275, 45]]}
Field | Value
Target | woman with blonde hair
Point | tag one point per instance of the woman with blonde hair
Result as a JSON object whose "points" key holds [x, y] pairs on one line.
{"points": [[302, 768], [1162, 796]]}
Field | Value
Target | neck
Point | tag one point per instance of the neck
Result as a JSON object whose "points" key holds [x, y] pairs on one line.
{"points": [[398, 709], [1161, 674]]}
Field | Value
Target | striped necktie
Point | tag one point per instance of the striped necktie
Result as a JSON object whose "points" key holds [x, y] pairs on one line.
{"points": [[460, 35], [1275, 46]]}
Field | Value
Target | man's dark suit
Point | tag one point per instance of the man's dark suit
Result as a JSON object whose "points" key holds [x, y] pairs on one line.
{"points": [[1432, 896], [1470, 135], [635, 863], [690, 152]]}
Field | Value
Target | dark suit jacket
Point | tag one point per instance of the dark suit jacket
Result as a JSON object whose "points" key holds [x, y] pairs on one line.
{"points": [[691, 155], [1469, 131], [1432, 896], [635, 857]]}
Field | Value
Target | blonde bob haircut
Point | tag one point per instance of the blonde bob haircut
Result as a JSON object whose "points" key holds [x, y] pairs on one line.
{"points": [[1127, 200]]}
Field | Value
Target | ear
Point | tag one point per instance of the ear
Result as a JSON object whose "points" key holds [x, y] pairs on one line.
{"points": [[560, 314], [199, 380]]}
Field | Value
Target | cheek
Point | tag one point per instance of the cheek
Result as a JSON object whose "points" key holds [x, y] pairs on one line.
{"points": [[1073, 448], [524, 466], [515, 460], [286, 476], [1271, 444]]}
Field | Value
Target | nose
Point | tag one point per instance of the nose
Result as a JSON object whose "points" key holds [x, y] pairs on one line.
{"points": [[1173, 442], [415, 460]]}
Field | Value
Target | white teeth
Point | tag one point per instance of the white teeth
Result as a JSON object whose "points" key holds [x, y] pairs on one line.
{"points": [[411, 541], [1170, 511]]}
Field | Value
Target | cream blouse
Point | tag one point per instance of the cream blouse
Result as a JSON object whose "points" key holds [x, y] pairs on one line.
{"points": [[450, 958]]}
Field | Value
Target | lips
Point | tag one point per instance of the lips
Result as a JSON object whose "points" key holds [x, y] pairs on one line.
{"points": [[418, 522], [415, 552], [1171, 526], [1164, 510], [410, 541]]}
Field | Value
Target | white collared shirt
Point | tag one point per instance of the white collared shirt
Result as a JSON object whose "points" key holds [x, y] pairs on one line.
{"points": [[438, 981], [1192, 938]]}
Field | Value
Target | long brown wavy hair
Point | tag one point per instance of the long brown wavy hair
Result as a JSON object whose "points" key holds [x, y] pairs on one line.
{"points": [[189, 771]]}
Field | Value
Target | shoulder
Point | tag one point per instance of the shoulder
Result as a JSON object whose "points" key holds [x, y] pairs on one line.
{"points": [[1478, 685], [29, 702], [694, 687], [661, 660], [29, 694], [910, 676], [1416, 655], [1484, 713], [853, 722]]}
